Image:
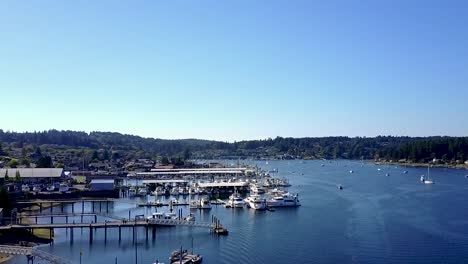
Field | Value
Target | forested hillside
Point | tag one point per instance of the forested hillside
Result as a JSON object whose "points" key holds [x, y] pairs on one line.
{"points": [[415, 149]]}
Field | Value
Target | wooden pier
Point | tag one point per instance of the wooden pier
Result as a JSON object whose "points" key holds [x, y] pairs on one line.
{"points": [[215, 226]]}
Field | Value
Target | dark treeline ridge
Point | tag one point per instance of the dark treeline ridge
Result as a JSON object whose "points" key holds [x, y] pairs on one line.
{"points": [[414, 149]]}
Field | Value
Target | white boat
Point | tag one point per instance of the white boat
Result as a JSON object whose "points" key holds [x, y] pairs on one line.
{"points": [[162, 216], [284, 200], [428, 180], [257, 189], [142, 191], [174, 191], [159, 191], [25, 188], [50, 188], [63, 187], [275, 192], [235, 201], [132, 192], [351, 171], [205, 203], [36, 188], [190, 218], [174, 201], [255, 202]]}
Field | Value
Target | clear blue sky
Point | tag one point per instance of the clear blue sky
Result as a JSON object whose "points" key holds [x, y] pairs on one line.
{"points": [[232, 70]]}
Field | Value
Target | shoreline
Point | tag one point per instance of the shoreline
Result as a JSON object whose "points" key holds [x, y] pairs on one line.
{"points": [[418, 165]]}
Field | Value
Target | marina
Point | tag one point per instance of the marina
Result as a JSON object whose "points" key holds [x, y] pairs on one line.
{"points": [[317, 195]]}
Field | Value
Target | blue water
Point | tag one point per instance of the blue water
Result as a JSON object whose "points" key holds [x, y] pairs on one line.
{"points": [[374, 219]]}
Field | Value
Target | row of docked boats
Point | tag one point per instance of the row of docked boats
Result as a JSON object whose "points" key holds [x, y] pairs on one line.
{"points": [[258, 202]]}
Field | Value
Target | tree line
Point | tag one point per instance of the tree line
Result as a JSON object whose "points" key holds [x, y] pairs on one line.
{"points": [[415, 149]]}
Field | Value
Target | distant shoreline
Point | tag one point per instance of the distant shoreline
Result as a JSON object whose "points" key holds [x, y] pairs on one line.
{"points": [[418, 164]]}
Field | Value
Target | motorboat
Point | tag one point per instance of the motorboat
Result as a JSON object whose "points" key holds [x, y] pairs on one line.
{"points": [[257, 189], [132, 192], [25, 188], [202, 203], [50, 188], [235, 201], [284, 200], [190, 218], [142, 191], [174, 191], [275, 192], [255, 202], [159, 191], [183, 256]]}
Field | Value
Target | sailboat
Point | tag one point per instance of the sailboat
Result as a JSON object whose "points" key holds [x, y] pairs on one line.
{"points": [[427, 180]]}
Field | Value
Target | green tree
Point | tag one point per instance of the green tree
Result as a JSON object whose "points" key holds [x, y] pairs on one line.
{"points": [[105, 155], [164, 161], [6, 178], [95, 156], [44, 162], [17, 176], [60, 165], [13, 163], [5, 201], [187, 154], [2, 153]]}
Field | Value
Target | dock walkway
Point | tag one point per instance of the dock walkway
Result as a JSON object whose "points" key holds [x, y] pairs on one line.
{"points": [[32, 252]]}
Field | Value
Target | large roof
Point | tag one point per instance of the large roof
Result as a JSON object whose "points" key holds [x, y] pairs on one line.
{"points": [[32, 172]]}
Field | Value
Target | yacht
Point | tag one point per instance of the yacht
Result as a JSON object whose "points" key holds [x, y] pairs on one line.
{"points": [[275, 192], [257, 189], [255, 202], [284, 200], [235, 201], [205, 203], [202, 203]]}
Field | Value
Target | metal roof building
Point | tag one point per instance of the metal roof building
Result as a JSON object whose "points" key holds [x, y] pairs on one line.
{"points": [[32, 174]]}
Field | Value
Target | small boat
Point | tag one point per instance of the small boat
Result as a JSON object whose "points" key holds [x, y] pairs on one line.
{"points": [[132, 192], [190, 218], [428, 180], [340, 187], [183, 256], [142, 192], [378, 169], [50, 188], [25, 188], [405, 172], [351, 171], [387, 174]]}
